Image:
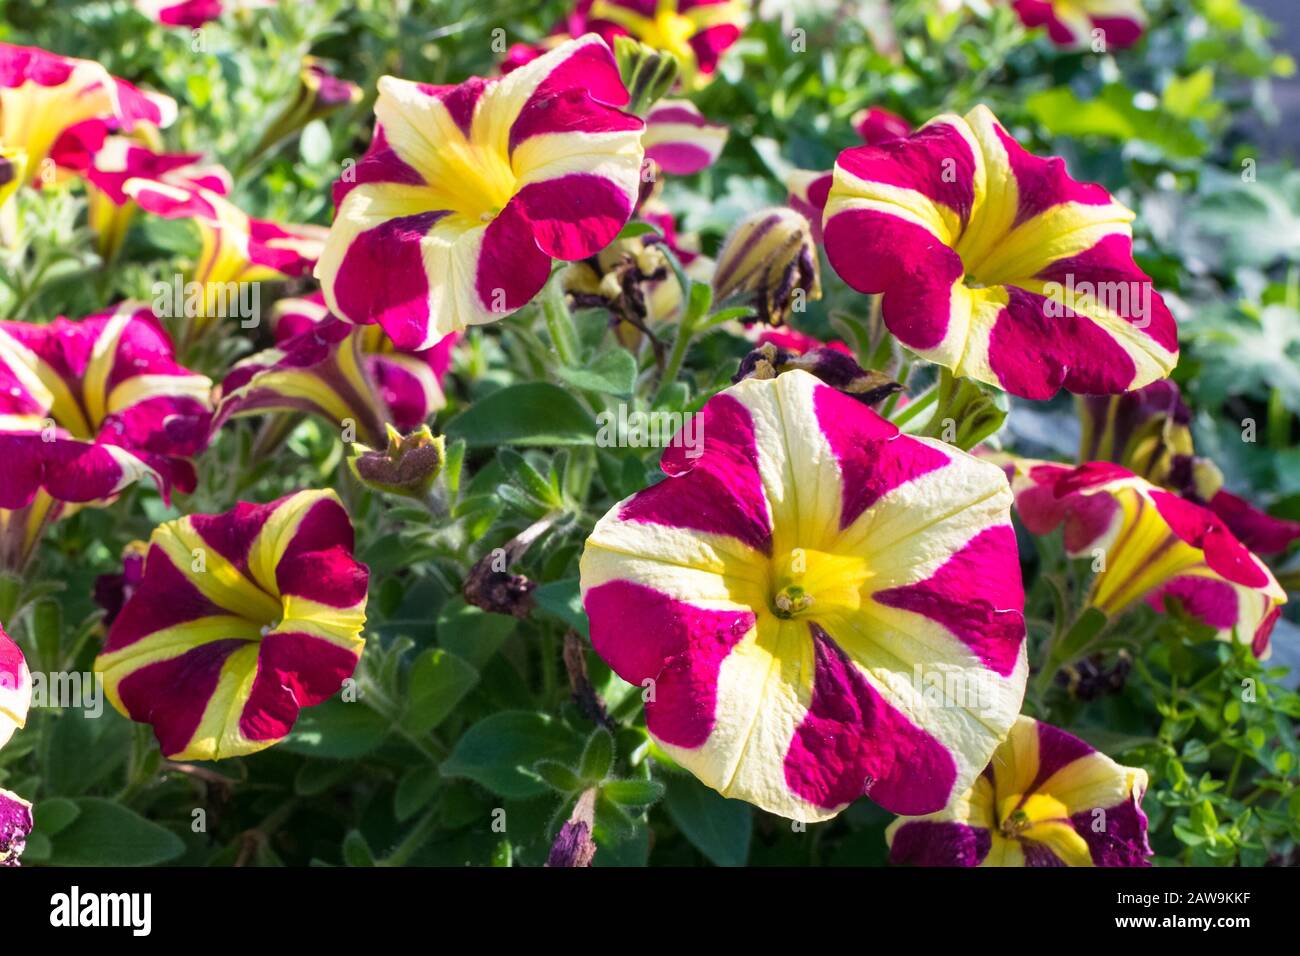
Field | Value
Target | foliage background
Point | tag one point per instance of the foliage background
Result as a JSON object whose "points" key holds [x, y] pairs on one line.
{"points": [[465, 714]]}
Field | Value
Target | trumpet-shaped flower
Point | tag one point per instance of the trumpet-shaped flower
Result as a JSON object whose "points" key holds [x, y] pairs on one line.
{"points": [[1046, 799], [679, 140], [15, 691], [468, 192], [340, 371], [194, 13], [87, 408], [695, 32], [1151, 545], [819, 607], [1149, 432], [995, 263], [42, 94], [237, 250], [241, 619], [108, 162], [1077, 23]]}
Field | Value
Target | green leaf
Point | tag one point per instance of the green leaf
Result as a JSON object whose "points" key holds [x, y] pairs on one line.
{"points": [[613, 373], [317, 776], [1114, 114], [356, 851], [54, 815], [498, 751], [338, 730], [528, 479], [439, 681], [104, 833], [534, 413], [557, 776], [563, 599], [471, 633], [597, 756], [717, 827], [633, 793], [415, 791]]}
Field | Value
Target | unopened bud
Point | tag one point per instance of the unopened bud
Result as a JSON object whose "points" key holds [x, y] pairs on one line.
{"points": [[769, 260], [408, 466]]}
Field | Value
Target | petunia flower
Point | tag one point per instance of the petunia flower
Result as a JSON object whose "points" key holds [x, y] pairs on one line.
{"points": [[15, 826], [15, 690], [1150, 545], [194, 13], [679, 139], [42, 94], [1149, 432], [237, 252], [1046, 799], [108, 161], [241, 620], [86, 409], [696, 32], [340, 371], [817, 606], [468, 192], [1075, 23], [996, 264]]}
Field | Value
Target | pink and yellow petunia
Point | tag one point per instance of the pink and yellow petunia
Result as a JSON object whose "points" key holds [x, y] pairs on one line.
{"points": [[236, 249], [42, 94], [1046, 799], [194, 13], [339, 371], [468, 193], [15, 688], [1151, 546], [1075, 23], [996, 264], [86, 409], [108, 161], [1149, 432], [241, 619], [695, 32], [794, 593], [680, 140]]}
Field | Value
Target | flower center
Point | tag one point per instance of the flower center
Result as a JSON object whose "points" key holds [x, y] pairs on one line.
{"points": [[810, 583], [476, 182], [1020, 814]]}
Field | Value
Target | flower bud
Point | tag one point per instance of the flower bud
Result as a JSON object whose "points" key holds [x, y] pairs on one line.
{"points": [[319, 93], [769, 260], [647, 73], [573, 845], [832, 366], [408, 466]]}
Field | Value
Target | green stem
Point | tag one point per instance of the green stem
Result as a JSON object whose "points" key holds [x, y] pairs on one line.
{"points": [[559, 323], [418, 836]]}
